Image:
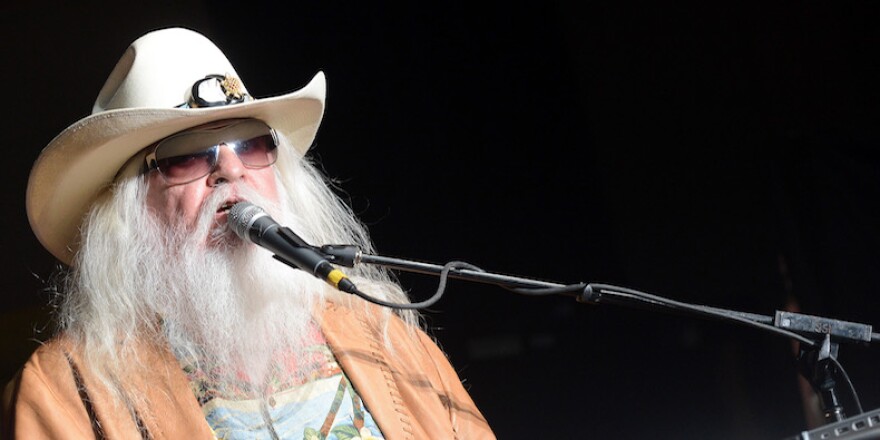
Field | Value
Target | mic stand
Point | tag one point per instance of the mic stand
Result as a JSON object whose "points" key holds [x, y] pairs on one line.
{"points": [[815, 365], [817, 360]]}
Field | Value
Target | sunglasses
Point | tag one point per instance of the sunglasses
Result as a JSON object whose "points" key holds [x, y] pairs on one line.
{"points": [[193, 154]]}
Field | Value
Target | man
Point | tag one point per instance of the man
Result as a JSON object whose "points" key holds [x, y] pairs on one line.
{"points": [[172, 326]]}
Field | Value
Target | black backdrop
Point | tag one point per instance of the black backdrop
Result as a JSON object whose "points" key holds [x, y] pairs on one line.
{"points": [[719, 154]]}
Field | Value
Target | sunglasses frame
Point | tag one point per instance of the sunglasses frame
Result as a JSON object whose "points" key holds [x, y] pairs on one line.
{"points": [[152, 163]]}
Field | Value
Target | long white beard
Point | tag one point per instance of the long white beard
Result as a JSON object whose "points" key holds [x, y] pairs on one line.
{"points": [[222, 302], [228, 305]]}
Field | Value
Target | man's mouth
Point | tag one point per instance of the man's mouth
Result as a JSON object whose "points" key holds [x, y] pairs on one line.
{"points": [[226, 206]]}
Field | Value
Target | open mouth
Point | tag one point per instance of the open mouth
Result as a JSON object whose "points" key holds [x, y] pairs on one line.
{"points": [[225, 207]]}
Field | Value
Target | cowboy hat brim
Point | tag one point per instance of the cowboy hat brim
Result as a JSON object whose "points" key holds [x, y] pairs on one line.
{"points": [[85, 158]]}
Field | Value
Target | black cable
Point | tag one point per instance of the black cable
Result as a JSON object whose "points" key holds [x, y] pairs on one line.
{"points": [[542, 291], [661, 301], [441, 288], [703, 310], [849, 384]]}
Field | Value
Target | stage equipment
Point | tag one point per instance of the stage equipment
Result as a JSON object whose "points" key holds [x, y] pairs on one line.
{"points": [[819, 338]]}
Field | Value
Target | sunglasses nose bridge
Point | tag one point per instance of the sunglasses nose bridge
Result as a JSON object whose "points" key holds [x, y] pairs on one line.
{"points": [[226, 155]]}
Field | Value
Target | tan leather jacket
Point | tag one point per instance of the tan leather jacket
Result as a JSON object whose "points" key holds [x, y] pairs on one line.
{"points": [[412, 393]]}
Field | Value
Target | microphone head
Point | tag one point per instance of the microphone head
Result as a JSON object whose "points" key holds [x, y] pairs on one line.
{"points": [[242, 216]]}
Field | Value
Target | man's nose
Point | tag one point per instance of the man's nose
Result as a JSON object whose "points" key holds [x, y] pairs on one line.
{"points": [[229, 167]]}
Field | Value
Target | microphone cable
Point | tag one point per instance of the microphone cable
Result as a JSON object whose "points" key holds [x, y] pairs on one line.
{"points": [[441, 289]]}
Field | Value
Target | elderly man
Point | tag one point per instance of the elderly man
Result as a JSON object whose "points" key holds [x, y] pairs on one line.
{"points": [[172, 326]]}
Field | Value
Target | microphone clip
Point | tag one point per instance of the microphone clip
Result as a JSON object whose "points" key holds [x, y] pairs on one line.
{"points": [[294, 240], [341, 254]]}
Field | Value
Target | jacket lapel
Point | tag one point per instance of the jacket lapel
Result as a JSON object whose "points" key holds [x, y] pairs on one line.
{"points": [[356, 343], [166, 407]]}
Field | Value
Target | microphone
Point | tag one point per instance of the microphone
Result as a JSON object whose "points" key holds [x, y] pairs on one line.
{"points": [[250, 222]]}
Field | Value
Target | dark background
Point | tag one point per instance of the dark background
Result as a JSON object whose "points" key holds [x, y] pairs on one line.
{"points": [[721, 154]]}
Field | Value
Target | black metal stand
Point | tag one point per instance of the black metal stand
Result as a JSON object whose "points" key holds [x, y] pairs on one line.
{"points": [[815, 364], [819, 337]]}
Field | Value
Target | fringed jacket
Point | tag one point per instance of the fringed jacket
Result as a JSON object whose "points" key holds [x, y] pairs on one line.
{"points": [[412, 393]]}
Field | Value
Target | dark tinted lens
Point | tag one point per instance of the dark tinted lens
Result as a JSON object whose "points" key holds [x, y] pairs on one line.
{"points": [[186, 167], [192, 154], [258, 152]]}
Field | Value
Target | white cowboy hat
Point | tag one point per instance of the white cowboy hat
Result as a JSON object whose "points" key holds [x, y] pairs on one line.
{"points": [[167, 81]]}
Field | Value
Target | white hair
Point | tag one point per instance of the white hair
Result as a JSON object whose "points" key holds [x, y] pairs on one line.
{"points": [[138, 283]]}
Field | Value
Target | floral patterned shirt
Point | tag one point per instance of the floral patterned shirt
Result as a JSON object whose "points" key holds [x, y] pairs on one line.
{"points": [[322, 406]]}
